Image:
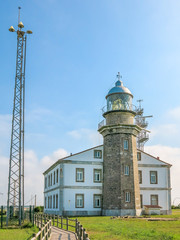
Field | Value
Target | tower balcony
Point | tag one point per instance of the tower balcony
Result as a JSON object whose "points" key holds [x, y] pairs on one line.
{"points": [[143, 137]]}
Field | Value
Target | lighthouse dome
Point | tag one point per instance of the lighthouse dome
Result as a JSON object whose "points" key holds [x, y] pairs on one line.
{"points": [[119, 88], [119, 97]]}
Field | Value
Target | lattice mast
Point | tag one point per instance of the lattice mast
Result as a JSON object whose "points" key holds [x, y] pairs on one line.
{"points": [[140, 120], [15, 200]]}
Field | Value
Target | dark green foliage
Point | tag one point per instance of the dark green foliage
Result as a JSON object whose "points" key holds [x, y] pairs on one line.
{"points": [[39, 209]]}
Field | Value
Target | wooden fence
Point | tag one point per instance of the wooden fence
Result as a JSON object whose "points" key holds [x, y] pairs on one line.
{"points": [[68, 224], [44, 226]]}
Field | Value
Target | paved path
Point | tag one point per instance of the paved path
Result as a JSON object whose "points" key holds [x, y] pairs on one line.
{"points": [[59, 234]]}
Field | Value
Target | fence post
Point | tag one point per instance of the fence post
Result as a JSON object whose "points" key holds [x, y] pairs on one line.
{"points": [[41, 221], [30, 213], [67, 223], [61, 223], [57, 220], [80, 232], [33, 215], [1, 216], [53, 219], [76, 225]]}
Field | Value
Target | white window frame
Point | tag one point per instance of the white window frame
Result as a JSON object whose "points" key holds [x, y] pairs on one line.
{"points": [[127, 197], [138, 156], [97, 153], [126, 170], [97, 172], [97, 200], [153, 178], [45, 182], [125, 144], [56, 201], [155, 199], [79, 174], [79, 200]]}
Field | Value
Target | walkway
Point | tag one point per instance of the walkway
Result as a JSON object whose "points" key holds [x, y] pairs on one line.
{"points": [[59, 234]]}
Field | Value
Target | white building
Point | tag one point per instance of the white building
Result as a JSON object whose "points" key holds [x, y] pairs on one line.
{"points": [[73, 185], [132, 181]]}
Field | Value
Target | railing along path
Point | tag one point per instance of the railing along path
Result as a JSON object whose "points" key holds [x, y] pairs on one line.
{"points": [[68, 224]]}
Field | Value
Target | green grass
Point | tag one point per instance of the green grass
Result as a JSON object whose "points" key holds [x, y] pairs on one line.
{"points": [[100, 228], [17, 234]]}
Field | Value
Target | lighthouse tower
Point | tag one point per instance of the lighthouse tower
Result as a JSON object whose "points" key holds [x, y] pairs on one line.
{"points": [[121, 194]]}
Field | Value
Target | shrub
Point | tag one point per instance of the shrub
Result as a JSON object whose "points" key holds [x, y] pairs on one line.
{"points": [[39, 209]]}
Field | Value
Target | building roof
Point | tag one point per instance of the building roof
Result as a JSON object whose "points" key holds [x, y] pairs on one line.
{"points": [[119, 88], [71, 155], [152, 206], [157, 158]]}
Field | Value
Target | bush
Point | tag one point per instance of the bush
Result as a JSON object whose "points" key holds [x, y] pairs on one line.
{"points": [[39, 209]]}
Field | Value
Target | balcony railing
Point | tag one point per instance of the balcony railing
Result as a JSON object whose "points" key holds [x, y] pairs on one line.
{"points": [[117, 107]]}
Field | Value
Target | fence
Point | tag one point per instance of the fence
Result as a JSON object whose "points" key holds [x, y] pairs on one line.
{"points": [[72, 225], [13, 218], [45, 228]]}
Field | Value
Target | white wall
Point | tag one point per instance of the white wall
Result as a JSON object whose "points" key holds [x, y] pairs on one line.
{"points": [[162, 177], [69, 199], [70, 174]]}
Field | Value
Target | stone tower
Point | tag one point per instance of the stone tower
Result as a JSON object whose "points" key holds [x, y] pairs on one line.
{"points": [[121, 194]]}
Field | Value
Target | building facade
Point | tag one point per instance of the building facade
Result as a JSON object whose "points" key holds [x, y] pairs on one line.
{"points": [[114, 179], [74, 185]]}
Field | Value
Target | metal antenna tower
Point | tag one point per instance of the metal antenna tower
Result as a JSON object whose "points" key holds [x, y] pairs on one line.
{"points": [[15, 202]]}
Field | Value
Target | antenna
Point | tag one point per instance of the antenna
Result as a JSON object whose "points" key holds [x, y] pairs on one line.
{"points": [[19, 15], [16, 162]]}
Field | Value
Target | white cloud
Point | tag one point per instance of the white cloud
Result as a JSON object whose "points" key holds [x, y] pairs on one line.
{"points": [[34, 180], [170, 155], [47, 161]]}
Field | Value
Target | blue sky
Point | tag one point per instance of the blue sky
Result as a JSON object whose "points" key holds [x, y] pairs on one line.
{"points": [[73, 56]]}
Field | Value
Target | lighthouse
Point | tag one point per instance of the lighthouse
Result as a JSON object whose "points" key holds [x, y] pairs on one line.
{"points": [[121, 192]]}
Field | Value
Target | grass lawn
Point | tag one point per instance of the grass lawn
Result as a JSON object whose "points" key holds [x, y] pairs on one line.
{"points": [[100, 228], [17, 234]]}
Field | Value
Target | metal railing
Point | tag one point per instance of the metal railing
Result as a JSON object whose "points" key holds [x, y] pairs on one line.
{"points": [[123, 107], [65, 223]]}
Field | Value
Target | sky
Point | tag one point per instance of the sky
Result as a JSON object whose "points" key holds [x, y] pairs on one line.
{"points": [[76, 49]]}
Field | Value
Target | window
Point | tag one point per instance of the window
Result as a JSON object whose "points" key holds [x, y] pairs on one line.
{"points": [[138, 156], [154, 199], [54, 176], [97, 175], [79, 200], [56, 200], [141, 200], [97, 201], [51, 179], [97, 154], [57, 175], [45, 202], [125, 144], [126, 170], [45, 182], [127, 197], [48, 203], [140, 176], [53, 201], [79, 174], [153, 177]]}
